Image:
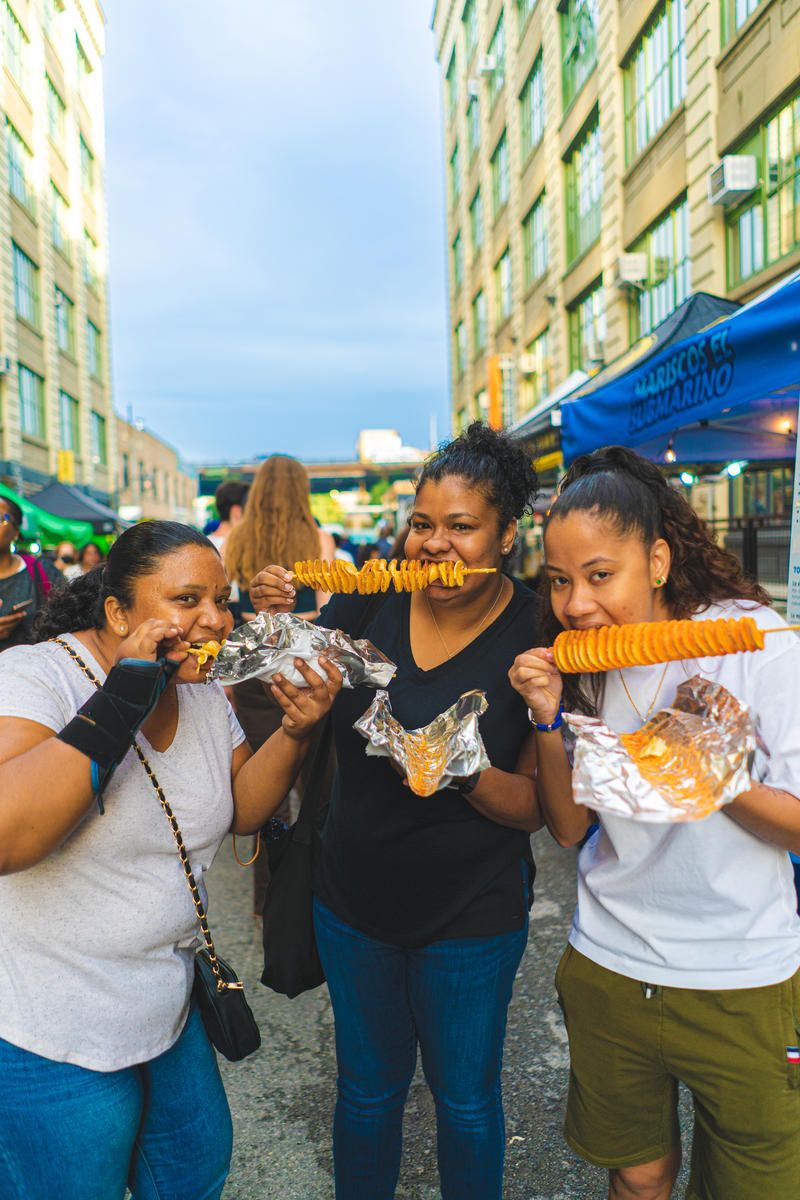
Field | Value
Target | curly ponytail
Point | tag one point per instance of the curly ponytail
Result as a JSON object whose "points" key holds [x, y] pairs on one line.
{"points": [[80, 604], [630, 492], [494, 464]]}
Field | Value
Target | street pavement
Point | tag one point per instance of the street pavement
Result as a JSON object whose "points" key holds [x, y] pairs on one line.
{"points": [[282, 1097]]}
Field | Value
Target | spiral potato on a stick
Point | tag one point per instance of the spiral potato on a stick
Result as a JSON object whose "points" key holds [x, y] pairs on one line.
{"points": [[405, 575], [609, 647]]}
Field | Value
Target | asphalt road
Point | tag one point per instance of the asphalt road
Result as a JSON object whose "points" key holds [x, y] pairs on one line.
{"points": [[282, 1097]]}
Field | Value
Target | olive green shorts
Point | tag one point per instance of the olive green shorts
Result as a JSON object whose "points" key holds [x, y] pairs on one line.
{"points": [[734, 1050]]}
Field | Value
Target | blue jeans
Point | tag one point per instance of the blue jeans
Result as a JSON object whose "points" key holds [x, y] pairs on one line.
{"points": [[162, 1128], [451, 998]]}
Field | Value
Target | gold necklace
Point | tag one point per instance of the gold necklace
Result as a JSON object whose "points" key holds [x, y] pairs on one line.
{"points": [[472, 635], [644, 719]]}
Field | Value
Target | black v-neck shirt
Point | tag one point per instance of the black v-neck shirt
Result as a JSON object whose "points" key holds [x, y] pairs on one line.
{"points": [[407, 869]]}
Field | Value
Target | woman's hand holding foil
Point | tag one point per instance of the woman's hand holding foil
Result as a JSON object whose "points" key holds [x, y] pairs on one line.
{"points": [[537, 679], [271, 590], [304, 708]]}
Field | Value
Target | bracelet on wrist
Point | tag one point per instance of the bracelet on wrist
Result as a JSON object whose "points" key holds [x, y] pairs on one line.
{"points": [[545, 727]]}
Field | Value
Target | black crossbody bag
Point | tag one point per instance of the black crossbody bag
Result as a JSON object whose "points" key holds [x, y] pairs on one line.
{"points": [[291, 961]]}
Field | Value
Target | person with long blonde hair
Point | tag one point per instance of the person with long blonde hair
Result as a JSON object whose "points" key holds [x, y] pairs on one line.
{"points": [[277, 526]]}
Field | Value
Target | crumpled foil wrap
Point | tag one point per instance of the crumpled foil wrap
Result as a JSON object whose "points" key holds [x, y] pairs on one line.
{"points": [[431, 758], [686, 762], [269, 644]]}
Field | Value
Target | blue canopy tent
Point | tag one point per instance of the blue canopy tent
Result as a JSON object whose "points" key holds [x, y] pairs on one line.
{"points": [[728, 392]]}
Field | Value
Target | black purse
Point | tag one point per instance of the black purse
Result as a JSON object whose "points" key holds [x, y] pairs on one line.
{"points": [[217, 990], [291, 961]]}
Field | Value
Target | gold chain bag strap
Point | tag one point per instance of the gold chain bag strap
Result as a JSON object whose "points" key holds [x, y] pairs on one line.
{"points": [[217, 991]]}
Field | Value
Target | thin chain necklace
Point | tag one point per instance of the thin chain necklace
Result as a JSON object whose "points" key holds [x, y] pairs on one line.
{"points": [[644, 719], [472, 635]]}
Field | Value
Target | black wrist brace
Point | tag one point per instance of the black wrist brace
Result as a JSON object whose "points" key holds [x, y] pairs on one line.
{"points": [[104, 728]]}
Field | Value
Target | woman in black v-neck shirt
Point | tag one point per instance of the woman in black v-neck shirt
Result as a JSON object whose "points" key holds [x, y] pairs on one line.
{"points": [[421, 902]]}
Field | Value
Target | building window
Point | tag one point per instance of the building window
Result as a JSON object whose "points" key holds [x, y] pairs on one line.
{"points": [[537, 374], [458, 262], [98, 437], [126, 472], [60, 222], [734, 15], [85, 72], [587, 331], [69, 413], [666, 246], [766, 226], [20, 170], [480, 324], [534, 243], [503, 291], [65, 323], [87, 166], [31, 403], [455, 175], [91, 274], [94, 350], [476, 223], [524, 10], [578, 46], [531, 105], [500, 176], [508, 397], [451, 85], [17, 56], [497, 51], [473, 126], [56, 117], [26, 287], [460, 338], [470, 22], [584, 192], [655, 77]]}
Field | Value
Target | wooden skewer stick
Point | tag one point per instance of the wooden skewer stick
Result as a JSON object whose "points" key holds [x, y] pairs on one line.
{"points": [[781, 629]]}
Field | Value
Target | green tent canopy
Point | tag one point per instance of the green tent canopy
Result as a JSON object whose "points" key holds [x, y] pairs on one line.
{"points": [[42, 526]]}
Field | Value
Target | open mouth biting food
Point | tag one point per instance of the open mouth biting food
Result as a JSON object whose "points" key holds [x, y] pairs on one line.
{"points": [[204, 652]]}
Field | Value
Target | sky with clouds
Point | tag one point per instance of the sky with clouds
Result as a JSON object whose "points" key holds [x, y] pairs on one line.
{"points": [[277, 248]]}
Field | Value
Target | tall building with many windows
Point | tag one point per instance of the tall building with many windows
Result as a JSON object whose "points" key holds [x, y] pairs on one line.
{"points": [[607, 158], [56, 416]]}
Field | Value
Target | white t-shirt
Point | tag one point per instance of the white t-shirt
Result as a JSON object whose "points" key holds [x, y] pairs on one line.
{"points": [[97, 941], [705, 904]]}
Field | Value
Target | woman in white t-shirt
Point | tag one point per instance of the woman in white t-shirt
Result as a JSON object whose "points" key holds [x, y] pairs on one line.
{"points": [[108, 1077], [682, 963]]}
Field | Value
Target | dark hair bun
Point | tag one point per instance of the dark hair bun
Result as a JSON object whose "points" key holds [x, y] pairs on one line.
{"points": [[494, 463]]}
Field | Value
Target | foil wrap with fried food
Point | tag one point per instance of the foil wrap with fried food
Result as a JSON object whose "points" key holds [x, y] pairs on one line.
{"points": [[685, 763], [431, 758], [268, 646]]}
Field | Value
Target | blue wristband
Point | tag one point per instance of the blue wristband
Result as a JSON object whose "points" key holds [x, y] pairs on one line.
{"points": [[559, 721]]}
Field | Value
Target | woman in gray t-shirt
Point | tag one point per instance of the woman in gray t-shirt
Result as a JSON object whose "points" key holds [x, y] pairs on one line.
{"points": [[109, 1078]]}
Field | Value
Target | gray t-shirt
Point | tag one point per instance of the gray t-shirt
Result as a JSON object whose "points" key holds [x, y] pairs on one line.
{"points": [[97, 941]]}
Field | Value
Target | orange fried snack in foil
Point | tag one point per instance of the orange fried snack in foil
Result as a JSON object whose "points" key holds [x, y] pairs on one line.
{"points": [[686, 762], [431, 758], [609, 647]]}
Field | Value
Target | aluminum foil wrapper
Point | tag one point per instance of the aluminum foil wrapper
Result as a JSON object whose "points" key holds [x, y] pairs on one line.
{"points": [[684, 764], [431, 758], [269, 645]]}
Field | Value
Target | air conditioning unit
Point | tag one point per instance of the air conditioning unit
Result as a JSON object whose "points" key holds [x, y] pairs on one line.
{"points": [[630, 271], [5, 364], [595, 351], [528, 364], [734, 176], [487, 64], [474, 87]]}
